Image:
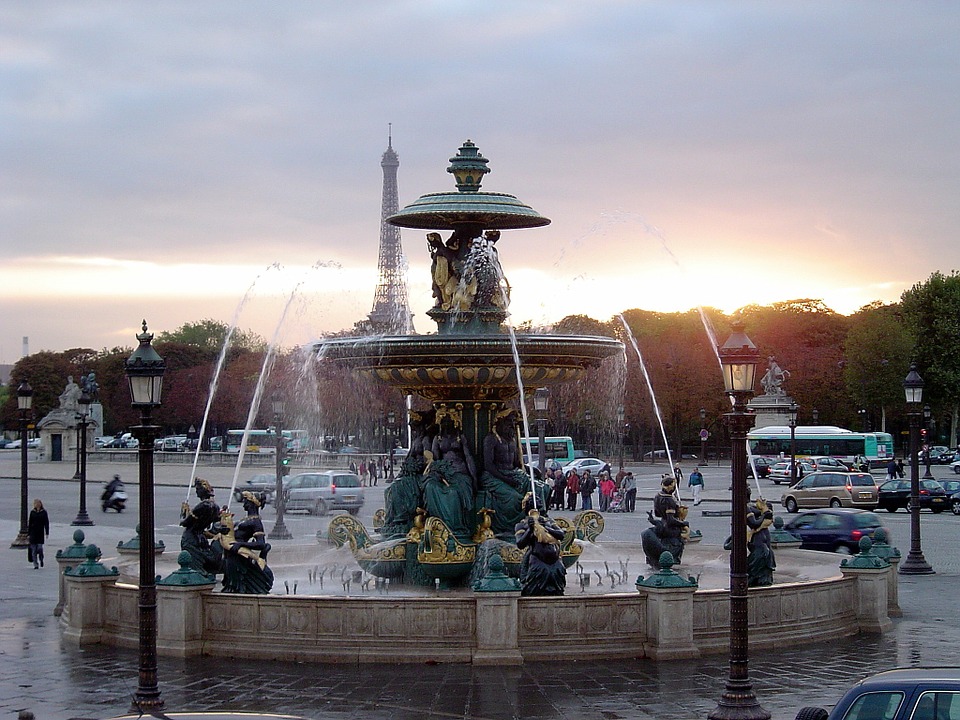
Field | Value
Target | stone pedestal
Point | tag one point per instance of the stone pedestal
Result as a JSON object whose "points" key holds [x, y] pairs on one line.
{"points": [[180, 619], [670, 623], [771, 410], [872, 589], [497, 620], [83, 615]]}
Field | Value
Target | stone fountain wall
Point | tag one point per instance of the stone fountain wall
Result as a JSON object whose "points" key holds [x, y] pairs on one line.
{"points": [[482, 628]]}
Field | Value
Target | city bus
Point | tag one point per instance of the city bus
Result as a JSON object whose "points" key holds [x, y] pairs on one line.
{"points": [[559, 449], [773, 443], [264, 441]]}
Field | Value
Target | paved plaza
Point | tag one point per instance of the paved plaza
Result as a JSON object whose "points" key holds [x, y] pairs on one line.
{"points": [[56, 680]]}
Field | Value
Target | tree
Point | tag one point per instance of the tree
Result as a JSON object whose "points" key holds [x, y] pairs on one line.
{"points": [[932, 312]]}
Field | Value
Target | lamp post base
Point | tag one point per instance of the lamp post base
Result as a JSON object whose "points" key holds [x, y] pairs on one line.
{"points": [[22, 540], [280, 531], [82, 519], [146, 703], [915, 564], [739, 703]]}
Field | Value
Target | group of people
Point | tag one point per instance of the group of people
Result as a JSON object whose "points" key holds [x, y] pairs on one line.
{"points": [[370, 471], [895, 469], [615, 492]]}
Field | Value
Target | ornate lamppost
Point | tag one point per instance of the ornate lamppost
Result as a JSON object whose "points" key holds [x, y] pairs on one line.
{"points": [[24, 405], [620, 416], [816, 416], [392, 440], [927, 414], [588, 419], [915, 563], [84, 401], [739, 357], [703, 436], [145, 376], [541, 401], [792, 421], [280, 531]]}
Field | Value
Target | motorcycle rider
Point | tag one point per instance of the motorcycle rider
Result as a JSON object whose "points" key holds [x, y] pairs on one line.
{"points": [[109, 499]]}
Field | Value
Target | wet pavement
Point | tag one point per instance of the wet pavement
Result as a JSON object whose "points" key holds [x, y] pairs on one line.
{"points": [[56, 680]]}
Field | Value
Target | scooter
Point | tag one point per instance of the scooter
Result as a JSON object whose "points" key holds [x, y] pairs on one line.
{"points": [[114, 496]]}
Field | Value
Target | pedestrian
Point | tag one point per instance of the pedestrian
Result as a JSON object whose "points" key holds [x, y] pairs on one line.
{"points": [[630, 492], [587, 485], [363, 472], [559, 489], [573, 489], [891, 469], [606, 491], [678, 473], [900, 473], [353, 467], [695, 482], [38, 529], [373, 473]]}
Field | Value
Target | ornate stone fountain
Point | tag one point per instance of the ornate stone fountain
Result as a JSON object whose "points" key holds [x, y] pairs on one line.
{"points": [[469, 372]]}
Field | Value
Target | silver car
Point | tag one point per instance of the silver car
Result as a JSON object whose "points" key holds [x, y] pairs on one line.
{"points": [[321, 492]]}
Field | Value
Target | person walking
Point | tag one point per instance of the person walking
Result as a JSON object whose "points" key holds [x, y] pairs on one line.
{"points": [[606, 491], [573, 489], [695, 483], [678, 473], [373, 473], [559, 489], [629, 492], [891, 469], [587, 486], [38, 529]]}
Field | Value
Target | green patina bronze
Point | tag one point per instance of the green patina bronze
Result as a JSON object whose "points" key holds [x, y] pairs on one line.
{"points": [[186, 575], [91, 567], [865, 559], [666, 577], [76, 551], [132, 545], [882, 547]]}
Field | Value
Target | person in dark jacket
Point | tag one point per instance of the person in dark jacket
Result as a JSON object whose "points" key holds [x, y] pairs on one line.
{"points": [[38, 530]]}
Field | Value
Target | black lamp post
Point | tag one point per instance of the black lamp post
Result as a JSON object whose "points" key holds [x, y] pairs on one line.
{"points": [[915, 563], [392, 430], [739, 357], [84, 401], [863, 419], [541, 401], [927, 414], [703, 436], [588, 419], [816, 416], [280, 531], [792, 420], [24, 405], [620, 416], [145, 376]]}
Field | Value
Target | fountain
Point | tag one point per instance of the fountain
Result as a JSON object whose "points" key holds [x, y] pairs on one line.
{"points": [[469, 371]]}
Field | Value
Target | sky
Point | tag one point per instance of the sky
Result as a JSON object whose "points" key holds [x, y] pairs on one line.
{"points": [[177, 161]]}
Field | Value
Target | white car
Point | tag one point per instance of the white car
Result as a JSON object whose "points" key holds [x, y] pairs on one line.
{"points": [[594, 465], [955, 466]]}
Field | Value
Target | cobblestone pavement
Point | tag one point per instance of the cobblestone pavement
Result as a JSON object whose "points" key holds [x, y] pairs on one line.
{"points": [[56, 680]]}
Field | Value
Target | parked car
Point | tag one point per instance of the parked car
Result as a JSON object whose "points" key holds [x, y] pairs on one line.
{"points": [[895, 494], [319, 493], [780, 471], [941, 454], [265, 483], [832, 489], [594, 465], [174, 443], [918, 693], [828, 463], [763, 467], [32, 444], [952, 489], [834, 529]]}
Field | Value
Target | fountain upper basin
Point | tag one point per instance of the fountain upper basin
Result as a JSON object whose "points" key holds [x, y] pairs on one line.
{"points": [[470, 367]]}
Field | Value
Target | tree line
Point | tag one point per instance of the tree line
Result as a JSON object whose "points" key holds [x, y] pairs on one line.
{"points": [[846, 370]]}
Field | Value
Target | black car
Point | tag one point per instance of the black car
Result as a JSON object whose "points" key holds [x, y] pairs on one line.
{"points": [[265, 483], [895, 494], [834, 529], [915, 693], [763, 467], [952, 488]]}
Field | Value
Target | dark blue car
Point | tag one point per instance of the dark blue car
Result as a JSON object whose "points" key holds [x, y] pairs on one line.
{"points": [[833, 529]]}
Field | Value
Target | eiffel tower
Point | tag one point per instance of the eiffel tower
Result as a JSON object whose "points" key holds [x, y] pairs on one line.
{"points": [[391, 311]]}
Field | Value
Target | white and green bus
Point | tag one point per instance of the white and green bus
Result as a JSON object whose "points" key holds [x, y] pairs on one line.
{"points": [[265, 441], [559, 449], [773, 443]]}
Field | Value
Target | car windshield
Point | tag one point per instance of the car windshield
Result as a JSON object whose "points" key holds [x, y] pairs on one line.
{"points": [[875, 706]]}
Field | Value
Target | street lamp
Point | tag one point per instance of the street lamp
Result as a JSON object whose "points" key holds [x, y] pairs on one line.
{"points": [[863, 419], [816, 416], [392, 440], [915, 563], [24, 405], [792, 419], [620, 416], [144, 370], [588, 419], [927, 414], [280, 531], [703, 436], [84, 401], [738, 358], [541, 401]]}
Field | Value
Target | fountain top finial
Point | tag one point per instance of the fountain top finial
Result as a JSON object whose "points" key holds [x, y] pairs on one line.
{"points": [[468, 166], [468, 209]]}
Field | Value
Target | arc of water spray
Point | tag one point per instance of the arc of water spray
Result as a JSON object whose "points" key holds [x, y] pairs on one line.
{"points": [[265, 370], [221, 359], [523, 413], [653, 397]]}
